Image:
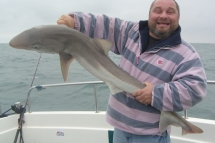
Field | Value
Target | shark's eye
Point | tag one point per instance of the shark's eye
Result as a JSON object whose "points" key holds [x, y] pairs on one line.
{"points": [[35, 47]]}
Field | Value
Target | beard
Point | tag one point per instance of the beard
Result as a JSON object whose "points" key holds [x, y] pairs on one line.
{"points": [[161, 34]]}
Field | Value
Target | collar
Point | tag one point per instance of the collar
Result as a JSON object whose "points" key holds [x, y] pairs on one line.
{"points": [[169, 42]]}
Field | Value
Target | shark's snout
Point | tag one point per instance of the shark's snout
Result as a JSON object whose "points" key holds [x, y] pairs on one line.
{"points": [[20, 41], [13, 43]]}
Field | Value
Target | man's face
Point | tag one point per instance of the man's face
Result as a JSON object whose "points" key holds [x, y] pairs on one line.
{"points": [[163, 19]]}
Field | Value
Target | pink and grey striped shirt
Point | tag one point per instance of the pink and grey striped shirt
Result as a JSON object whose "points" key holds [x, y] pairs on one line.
{"points": [[172, 65]]}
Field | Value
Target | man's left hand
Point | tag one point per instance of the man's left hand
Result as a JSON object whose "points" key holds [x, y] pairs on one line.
{"points": [[144, 95]]}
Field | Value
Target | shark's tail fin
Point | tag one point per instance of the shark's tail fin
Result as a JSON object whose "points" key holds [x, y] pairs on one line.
{"points": [[172, 118], [193, 129]]}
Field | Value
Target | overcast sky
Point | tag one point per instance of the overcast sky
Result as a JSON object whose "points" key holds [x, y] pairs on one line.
{"points": [[197, 16]]}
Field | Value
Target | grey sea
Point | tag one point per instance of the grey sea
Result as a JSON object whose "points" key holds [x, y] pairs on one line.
{"points": [[17, 68]]}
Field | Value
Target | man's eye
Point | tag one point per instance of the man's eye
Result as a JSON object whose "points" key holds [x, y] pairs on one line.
{"points": [[170, 11], [157, 11]]}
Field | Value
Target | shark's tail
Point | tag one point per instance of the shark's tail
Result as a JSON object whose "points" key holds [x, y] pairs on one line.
{"points": [[172, 118], [192, 129]]}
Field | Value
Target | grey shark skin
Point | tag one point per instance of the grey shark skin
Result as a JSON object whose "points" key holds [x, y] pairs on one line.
{"points": [[92, 55]]}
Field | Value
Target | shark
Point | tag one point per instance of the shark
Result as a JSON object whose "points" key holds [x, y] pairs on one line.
{"points": [[92, 54]]}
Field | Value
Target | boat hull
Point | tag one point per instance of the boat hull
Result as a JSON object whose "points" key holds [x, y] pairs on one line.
{"points": [[82, 127]]}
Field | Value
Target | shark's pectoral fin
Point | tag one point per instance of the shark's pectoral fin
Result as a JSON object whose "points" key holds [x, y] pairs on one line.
{"points": [[65, 61], [106, 45], [113, 89]]}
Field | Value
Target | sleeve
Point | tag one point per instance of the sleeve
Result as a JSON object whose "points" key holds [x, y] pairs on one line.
{"points": [[104, 27], [186, 89]]}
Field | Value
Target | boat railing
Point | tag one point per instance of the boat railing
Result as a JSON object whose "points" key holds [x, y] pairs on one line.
{"points": [[40, 87]]}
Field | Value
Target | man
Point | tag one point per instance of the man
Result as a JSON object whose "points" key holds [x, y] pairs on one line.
{"points": [[151, 51]]}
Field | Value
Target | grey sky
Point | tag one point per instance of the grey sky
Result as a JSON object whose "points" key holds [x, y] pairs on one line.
{"points": [[197, 16]]}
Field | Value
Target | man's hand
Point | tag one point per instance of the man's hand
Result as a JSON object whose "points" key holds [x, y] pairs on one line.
{"points": [[144, 95], [66, 20]]}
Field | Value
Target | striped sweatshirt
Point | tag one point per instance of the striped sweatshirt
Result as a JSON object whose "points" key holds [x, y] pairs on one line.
{"points": [[172, 65]]}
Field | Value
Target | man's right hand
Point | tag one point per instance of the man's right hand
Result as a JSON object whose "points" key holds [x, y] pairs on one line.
{"points": [[66, 20]]}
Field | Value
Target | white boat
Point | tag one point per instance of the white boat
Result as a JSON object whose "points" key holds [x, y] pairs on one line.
{"points": [[82, 126]]}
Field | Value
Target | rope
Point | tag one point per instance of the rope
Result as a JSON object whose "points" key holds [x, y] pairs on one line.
{"points": [[3, 114], [36, 70], [19, 130]]}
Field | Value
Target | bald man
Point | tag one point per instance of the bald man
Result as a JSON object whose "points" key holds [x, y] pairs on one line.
{"points": [[153, 52]]}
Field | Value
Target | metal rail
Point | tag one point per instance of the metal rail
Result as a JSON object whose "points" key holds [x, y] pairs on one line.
{"points": [[40, 87], [210, 81]]}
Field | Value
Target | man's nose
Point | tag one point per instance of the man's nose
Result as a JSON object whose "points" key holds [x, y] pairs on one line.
{"points": [[164, 15]]}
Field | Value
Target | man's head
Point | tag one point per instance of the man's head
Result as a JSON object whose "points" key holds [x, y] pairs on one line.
{"points": [[163, 18]]}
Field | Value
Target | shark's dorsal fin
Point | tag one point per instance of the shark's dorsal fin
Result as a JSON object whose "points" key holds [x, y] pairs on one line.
{"points": [[106, 45], [65, 61]]}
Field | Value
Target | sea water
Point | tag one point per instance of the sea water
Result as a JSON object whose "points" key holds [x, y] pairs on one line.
{"points": [[17, 68]]}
